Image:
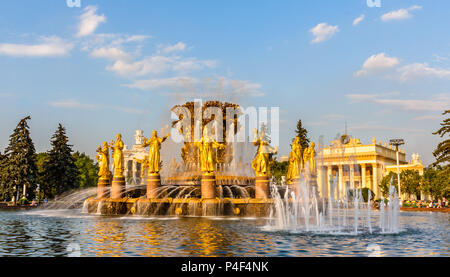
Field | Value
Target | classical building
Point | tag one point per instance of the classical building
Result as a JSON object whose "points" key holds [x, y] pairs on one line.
{"points": [[133, 159], [349, 161]]}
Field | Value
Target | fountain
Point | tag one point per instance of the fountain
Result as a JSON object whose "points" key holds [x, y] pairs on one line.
{"points": [[207, 183]]}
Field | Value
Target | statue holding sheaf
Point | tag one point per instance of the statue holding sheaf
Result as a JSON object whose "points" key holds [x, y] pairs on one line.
{"points": [[309, 157], [117, 147], [260, 163], [153, 160], [295, 161], [207, 158], [103, 161]]}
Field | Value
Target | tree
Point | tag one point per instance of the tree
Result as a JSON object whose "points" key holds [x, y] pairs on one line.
{"points": [[436, 182], [87, 170], [387, 181], [60, 172], [19, 168], [41, 158], [278, 169], [302, 133], [410, 183], [442, 151]]}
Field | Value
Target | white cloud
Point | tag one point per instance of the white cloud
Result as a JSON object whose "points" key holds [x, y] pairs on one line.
{"points": [[377, 63], [74, 104], [439, 103], [111, 53], [89, 21], [49, 47], [159, 64], [358, 20], [400, 14], [190, 64], [383, 127], [428, 117], [164, 83], [417, 70], [194, 86], [152, 65], [323, 32], [180, 46]]}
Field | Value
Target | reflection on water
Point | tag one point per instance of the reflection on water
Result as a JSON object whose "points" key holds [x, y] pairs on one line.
{"points": [[49, 233]]}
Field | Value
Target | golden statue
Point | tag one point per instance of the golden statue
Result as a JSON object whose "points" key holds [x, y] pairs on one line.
{"points": [[206, 146], [103, 161], [153, 160], [117, 147], [295, 160], [309, 157], [260, 163]]}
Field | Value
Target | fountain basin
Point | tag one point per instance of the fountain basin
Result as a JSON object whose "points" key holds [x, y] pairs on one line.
{"points": [[243, 207]]}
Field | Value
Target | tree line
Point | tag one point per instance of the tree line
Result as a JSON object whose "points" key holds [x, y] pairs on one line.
{"points": [[27, 175]]}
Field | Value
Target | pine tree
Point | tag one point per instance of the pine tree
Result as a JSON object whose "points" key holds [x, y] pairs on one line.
{"points": [[442, 152], [302, 133], [19, 168], [60, 172]]}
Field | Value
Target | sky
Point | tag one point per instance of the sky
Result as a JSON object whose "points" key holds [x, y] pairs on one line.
{"points": [[116, 66]]}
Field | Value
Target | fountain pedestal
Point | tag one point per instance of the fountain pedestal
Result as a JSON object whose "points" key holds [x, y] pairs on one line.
{"points": [[102, 185], [208, 186], [262, 187], [117, 187], [153, 183]]}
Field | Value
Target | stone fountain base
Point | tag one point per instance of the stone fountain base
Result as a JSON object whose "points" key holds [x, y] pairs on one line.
{"points": [[245, 207]]}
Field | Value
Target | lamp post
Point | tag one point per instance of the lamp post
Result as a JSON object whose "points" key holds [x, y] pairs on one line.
{"points": [[397, 143]]}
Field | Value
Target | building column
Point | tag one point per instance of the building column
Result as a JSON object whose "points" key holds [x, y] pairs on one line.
{"points": [[341, 182], [321, 186], [375, 187], [363, 175], [329, 177]]}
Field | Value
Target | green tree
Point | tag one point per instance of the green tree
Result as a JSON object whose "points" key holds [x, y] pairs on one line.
{"points": [[386, 183], [410, 183], [60, 171], [436, 182], [442, 151], [278, 169], [19, 167], [302, 133], [87, 170], [41, 158]]}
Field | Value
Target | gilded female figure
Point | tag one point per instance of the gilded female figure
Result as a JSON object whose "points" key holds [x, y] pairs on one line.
{"points": [[295, 160], [103, 161], [153, 160], [117, 148], [206, 146], [260, 163]]}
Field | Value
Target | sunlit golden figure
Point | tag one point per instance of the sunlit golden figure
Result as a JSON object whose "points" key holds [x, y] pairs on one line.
{"points": [[295, 160], [309, 157], [117, 147], [206, 146], [103, 161], [260, 163], [153, 160]]}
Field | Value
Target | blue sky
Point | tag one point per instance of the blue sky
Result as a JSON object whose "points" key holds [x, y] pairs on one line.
{"points": [[117, 66]]}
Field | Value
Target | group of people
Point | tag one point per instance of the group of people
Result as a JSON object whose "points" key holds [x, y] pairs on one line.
{"points": [[426, 204]]}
